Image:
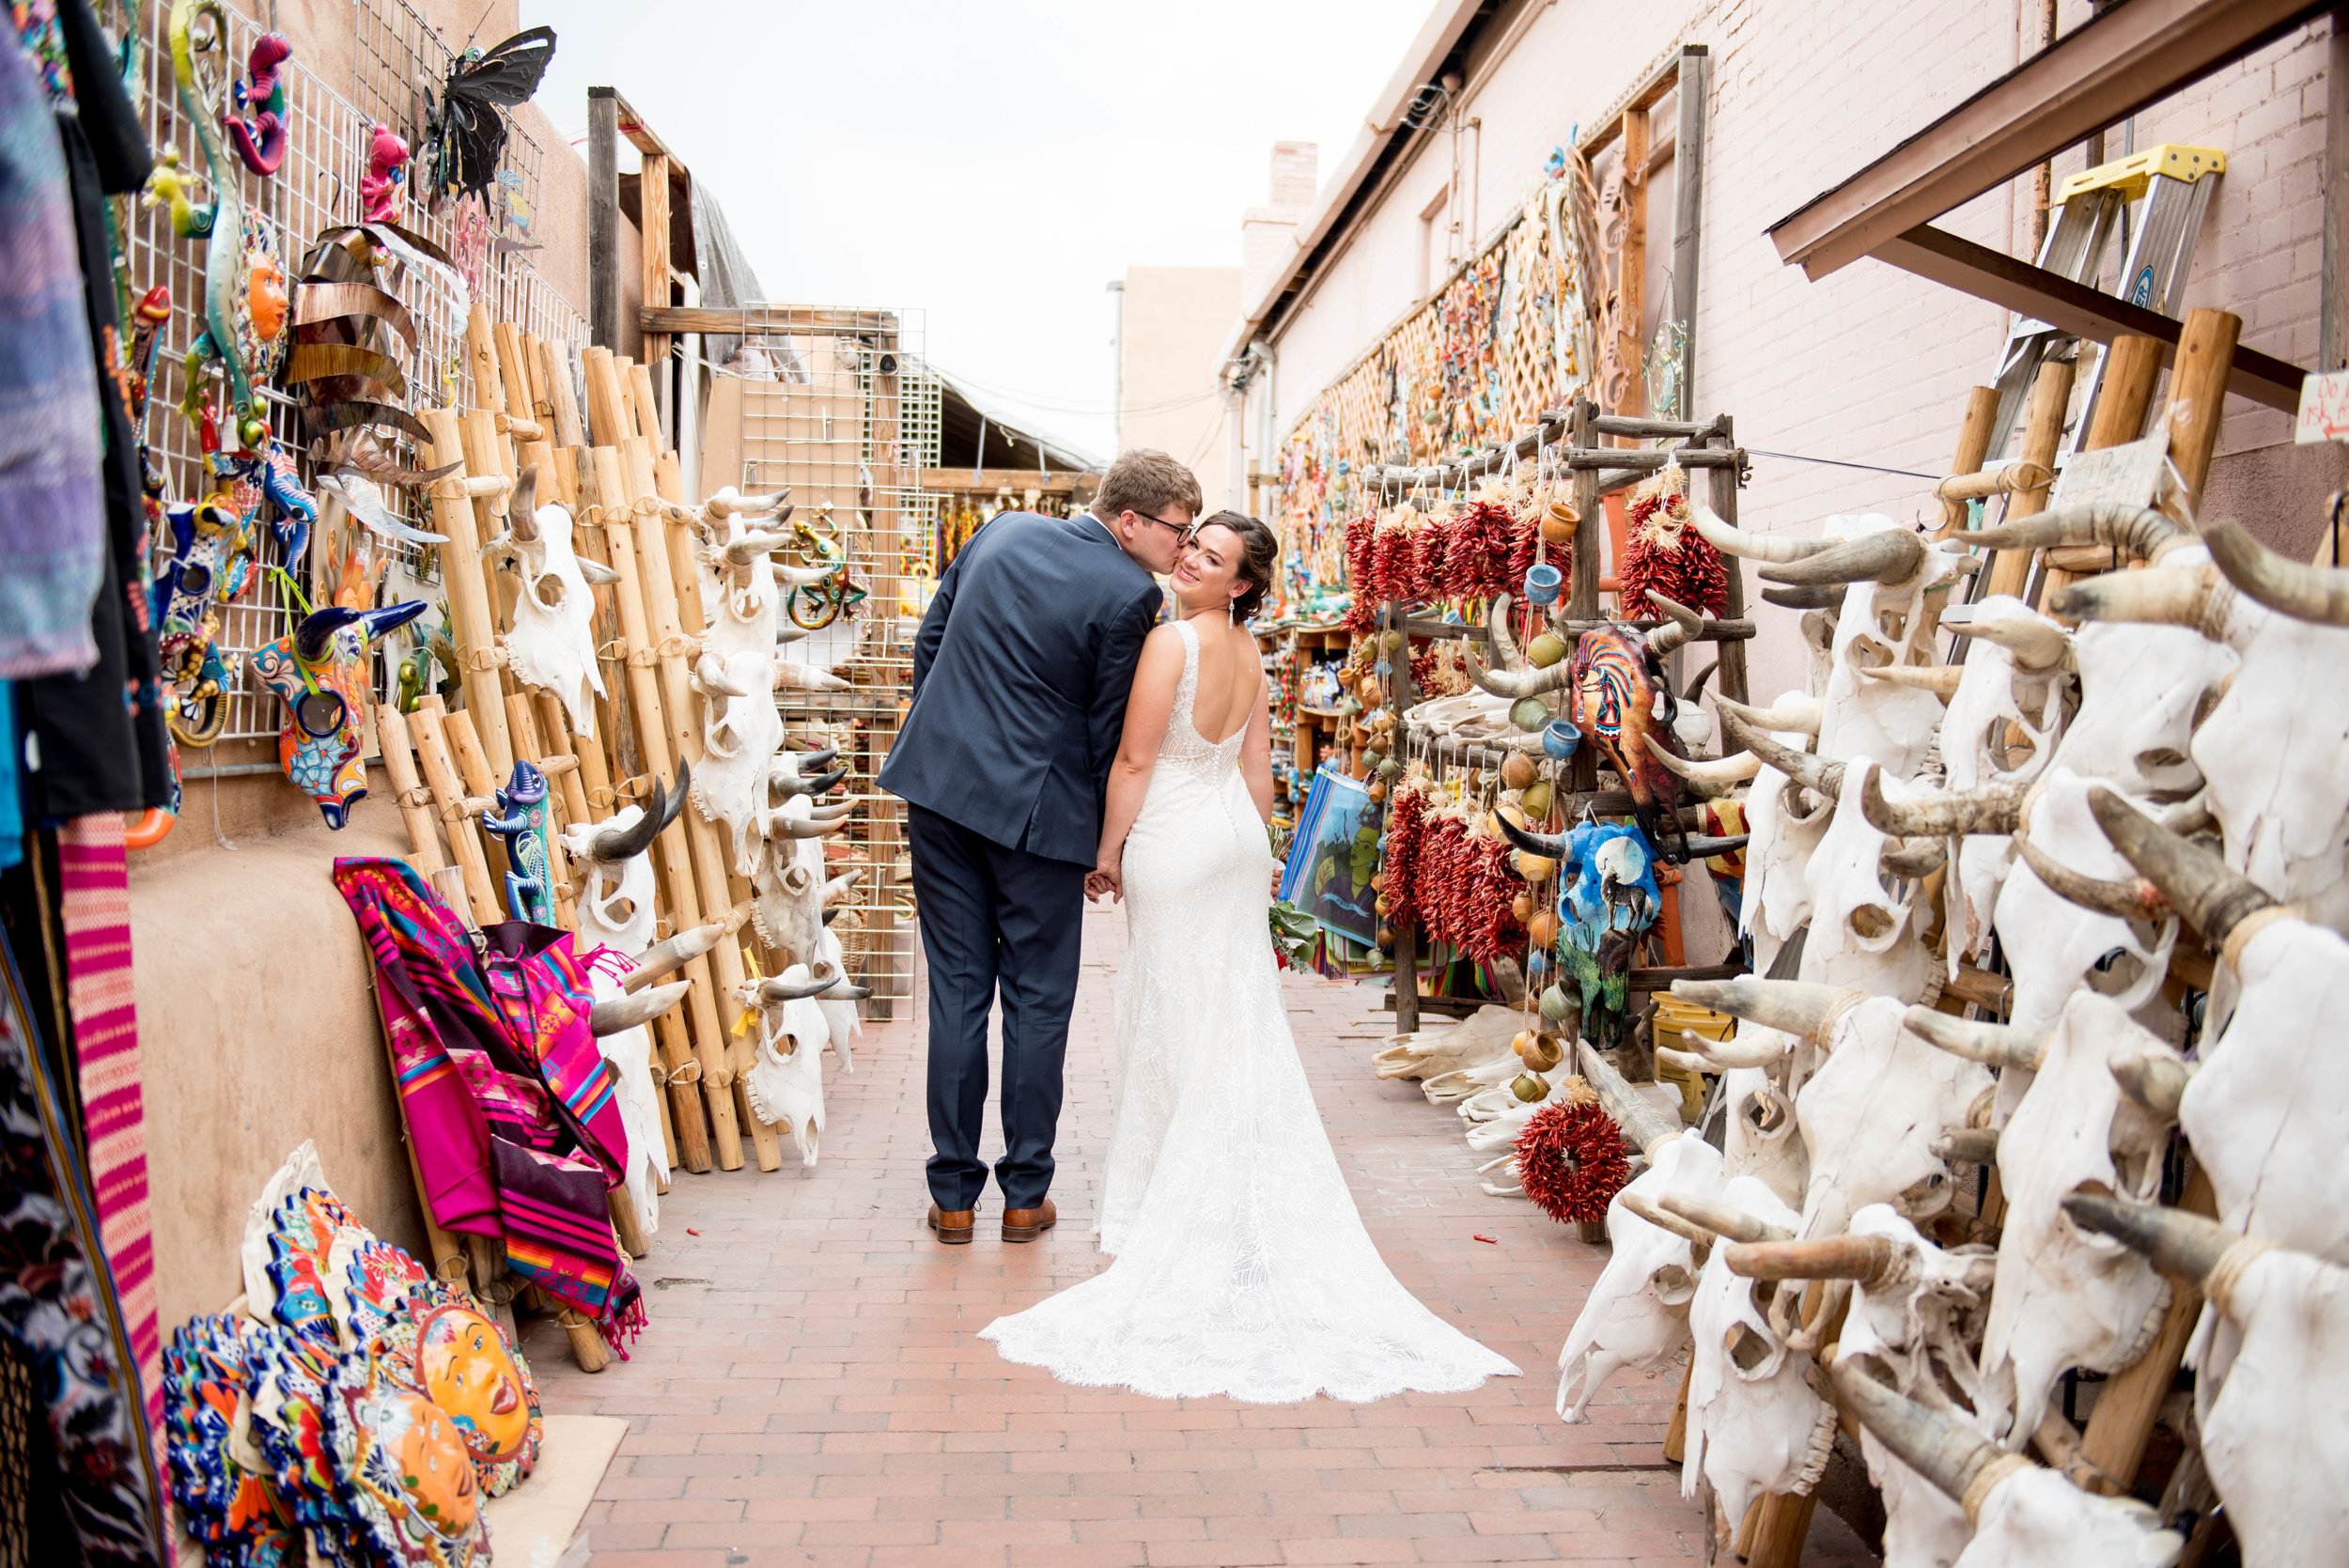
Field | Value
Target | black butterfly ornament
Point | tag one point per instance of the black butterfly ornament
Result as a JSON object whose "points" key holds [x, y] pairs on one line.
{"points": [[465, 131]]}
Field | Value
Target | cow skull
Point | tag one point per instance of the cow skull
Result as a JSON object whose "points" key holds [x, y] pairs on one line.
{"points": [[2065, 1299], [552, 644]]}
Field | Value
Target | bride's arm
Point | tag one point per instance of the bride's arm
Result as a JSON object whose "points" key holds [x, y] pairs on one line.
{"points": [[1255, 756], [1149, 709]]}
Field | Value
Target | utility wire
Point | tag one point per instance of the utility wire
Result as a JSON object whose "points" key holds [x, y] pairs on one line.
{"points": [[1838, 462]]}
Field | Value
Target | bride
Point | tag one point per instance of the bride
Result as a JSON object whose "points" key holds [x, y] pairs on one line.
{"points": [[1242, 1268]]}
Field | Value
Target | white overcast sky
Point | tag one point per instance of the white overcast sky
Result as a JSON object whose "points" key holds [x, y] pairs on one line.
{"points": [[992, 166]]}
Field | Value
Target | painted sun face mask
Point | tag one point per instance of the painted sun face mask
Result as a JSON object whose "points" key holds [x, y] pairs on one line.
{"points": [[471, 1371], [410, 1488], [319, 670]]}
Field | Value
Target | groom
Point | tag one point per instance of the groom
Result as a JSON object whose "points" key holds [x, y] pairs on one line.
{"points": [[1020, 671]]}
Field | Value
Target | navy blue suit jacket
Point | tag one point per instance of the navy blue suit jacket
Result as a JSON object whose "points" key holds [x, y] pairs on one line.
{"points": [[1020, 673]]}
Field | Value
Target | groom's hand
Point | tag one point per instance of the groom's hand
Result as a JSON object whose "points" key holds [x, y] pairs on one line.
{"points": [[1099, 883]]}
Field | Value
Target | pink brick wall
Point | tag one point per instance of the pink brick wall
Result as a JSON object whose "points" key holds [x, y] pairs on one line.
{"points": [[1870, 365]]}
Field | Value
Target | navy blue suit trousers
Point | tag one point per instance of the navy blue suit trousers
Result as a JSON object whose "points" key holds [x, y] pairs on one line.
{"points": [[994, 918]]}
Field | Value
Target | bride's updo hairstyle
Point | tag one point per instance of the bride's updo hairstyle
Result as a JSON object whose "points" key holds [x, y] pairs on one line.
{"points": [[1258, 551]]}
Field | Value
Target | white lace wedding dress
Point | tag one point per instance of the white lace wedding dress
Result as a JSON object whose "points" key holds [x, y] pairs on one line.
{"points": [[1242, 1266]]}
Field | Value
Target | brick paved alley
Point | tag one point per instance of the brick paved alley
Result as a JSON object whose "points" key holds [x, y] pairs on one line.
{"points": [[812, 1389]]}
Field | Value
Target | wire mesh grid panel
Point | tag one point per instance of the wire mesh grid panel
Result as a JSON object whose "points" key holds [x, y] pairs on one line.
{"points": [[849, 425], [315, 189]]}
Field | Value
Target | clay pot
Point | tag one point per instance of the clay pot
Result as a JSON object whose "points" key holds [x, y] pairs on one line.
{"points": [[1536, 799], [1521, 909], [1560, 523], [1554, 1005], [1541, 927], [1538, 1049], [1529, 714], [1546, 649], [1518, 770], [1530, 1087], [1533, 868]]}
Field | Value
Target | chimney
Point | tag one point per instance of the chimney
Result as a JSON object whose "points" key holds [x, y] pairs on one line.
{"points": [[1266, 231]]}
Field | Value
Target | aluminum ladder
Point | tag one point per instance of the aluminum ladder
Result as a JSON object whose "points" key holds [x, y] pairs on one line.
{"points": [[2174, 184]]}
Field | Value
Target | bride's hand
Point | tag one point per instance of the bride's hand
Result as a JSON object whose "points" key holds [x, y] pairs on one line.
{"points": [[1106, 878]]}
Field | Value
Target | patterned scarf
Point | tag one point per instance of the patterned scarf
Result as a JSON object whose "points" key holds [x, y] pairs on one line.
{"points": [[94, 909], [515, 1135], [58, 1307]]}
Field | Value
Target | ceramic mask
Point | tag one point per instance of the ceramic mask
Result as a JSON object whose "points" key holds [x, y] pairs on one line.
{"points": [[321, 670], [470, 1371], [409, 1485]]}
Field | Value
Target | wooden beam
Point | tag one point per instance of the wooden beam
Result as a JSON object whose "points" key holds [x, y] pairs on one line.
{"points": [[652, 212], [1631, 266], [603, 217], [2101, 72], [2073, 307], [633, 126], [989, 480], [773, 321], [1689, 212]]}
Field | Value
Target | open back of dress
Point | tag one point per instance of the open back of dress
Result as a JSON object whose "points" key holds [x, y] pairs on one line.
{"points": [[1242, 1266]]}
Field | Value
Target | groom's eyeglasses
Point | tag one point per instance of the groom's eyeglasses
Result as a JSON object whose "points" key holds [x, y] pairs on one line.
{"points": [[1183, 530]]}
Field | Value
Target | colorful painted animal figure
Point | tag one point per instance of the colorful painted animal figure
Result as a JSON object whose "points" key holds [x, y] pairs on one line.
{"points": [[259, 132], [319, 670], [379, 187], [244, 277], [522, 821]]}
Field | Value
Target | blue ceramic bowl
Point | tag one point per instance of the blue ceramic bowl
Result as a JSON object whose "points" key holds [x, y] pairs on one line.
{"points": [[1560, 738], [1542, 582]]}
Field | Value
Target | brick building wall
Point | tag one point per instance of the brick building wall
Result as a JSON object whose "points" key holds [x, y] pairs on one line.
{"points": [[1870, 365]]}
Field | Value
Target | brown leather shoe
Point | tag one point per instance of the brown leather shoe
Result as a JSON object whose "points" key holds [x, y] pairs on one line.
{"points": [[953, 1226], [1028, 1224]]}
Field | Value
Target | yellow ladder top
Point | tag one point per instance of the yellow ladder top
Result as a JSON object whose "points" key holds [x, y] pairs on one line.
{"points": [[2130, 175]]}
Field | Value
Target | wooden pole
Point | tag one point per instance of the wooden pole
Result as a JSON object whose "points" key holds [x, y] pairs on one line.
{"points": [[1689, 213], [652, 209], [2122, 1422], [2132, 365], [573, 783], [408, 790], [674, 857], [1582, 596], [607, 417], [514, 372], [2122, 403], [448, 790], [485, 453], [481, 358], [472, 624], [1720, 486], [2198, 399], [2043, 432], [1405, 929], [569, 432], [705, 859], [603, 215], [528, 748], [1973, 444]]}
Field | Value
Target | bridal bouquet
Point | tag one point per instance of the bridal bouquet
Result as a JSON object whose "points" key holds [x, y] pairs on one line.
{"points": [[1293, 933]]}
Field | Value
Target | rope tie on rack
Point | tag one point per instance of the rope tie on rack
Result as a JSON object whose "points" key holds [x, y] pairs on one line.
{"points": [[602, 798], [688, 1072], [408, 799]]}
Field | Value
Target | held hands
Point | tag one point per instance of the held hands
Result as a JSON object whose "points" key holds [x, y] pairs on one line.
{"points": [[1107, 877]]}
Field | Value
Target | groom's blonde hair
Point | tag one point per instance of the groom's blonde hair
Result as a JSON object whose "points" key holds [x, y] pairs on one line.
{"points": [[1145, 481]]}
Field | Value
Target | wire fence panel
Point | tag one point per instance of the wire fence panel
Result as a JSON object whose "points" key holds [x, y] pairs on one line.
{"points": [[398, 56]]}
